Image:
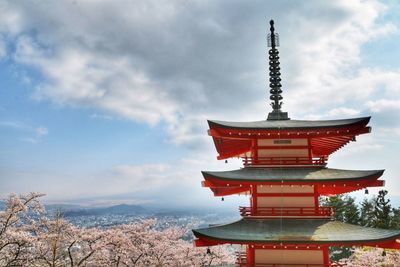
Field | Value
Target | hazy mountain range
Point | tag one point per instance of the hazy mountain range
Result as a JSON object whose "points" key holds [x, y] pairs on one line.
{"points": [[75, 210]]}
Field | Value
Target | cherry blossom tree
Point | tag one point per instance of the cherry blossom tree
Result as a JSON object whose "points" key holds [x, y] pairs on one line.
{"points": [[141, 244], [29, 238], [373, 257], [15, 239], [59, 243]]}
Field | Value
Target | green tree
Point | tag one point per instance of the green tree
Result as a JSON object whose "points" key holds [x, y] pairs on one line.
{"points": [[351, 212], [346, 209], [382, 211], [338, 203], [395, 221], [367, 212], [374, 212]]}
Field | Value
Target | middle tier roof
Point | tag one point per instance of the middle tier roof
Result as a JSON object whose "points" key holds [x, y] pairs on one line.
{"points": [[292, 174], [327, 181]]}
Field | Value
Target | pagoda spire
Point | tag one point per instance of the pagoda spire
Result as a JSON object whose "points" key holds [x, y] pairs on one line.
{"points": [[275, 77]]}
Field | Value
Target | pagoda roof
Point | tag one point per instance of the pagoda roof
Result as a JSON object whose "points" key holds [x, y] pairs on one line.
{"points": [[295, 231], [289, 124], [326, 181], [305, 174], [234, 139]]}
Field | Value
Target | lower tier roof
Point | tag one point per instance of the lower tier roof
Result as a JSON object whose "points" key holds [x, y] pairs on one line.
{"points": [[295, 231], [292, 174]]}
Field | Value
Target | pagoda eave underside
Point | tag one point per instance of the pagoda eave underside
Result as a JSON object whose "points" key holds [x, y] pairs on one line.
{"points": [[290, 232], [325, 181], [234, 139]]}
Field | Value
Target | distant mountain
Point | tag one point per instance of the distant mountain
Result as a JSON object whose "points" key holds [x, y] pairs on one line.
{"points": [[122, 209], [62, 207]]}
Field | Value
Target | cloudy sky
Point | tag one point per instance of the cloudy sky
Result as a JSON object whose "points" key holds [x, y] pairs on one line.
{"points": [[109, 100]]}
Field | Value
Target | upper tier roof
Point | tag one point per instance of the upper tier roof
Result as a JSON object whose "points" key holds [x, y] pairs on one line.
{"points": [[307, 142], [292, 231], [292, 174], [289, 124]]}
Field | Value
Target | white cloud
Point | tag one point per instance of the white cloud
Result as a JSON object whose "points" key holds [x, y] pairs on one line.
{"points": [[177, 182], [342, 111], [101, 116], [3, 47], [13, 124], [335, 113], [178, 63], [135, 178], [114, 86], [364, 145], [327, 69], [383, 104], [32, 140], [11, 22], [175, 62], [41, 131], [35, 133]]}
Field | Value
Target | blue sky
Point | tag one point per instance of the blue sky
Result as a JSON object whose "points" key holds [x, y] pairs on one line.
{"points": [[107, 102]]}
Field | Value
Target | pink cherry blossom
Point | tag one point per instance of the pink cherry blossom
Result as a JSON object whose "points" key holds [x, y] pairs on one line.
{"points": [[29, 238]]}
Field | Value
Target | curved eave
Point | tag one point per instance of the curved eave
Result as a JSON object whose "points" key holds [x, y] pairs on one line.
{"points": [[233, 139], [240, 181], [289, 124], [295, 231], [260, 175]]}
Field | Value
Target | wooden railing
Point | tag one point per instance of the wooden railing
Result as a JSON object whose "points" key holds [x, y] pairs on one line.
{"points": [[337, 264], [284, 265], [285, 161], [287, 211], [241, 261]]}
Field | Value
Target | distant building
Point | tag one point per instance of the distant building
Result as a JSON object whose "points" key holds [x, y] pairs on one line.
{"points": [[285, 173]]}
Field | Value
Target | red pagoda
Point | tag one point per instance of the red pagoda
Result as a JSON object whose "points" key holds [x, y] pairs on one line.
{"points": [[284, 173]]}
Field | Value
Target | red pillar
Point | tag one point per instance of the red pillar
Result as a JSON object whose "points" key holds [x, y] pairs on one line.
{"points": [[326, 256], [253, 201], [316, 198], [250, 256]]}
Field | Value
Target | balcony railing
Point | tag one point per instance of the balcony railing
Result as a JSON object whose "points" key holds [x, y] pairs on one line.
{"points": [[287, 211], [337, 264], [285, 161], [285, 265], [241, 261]]}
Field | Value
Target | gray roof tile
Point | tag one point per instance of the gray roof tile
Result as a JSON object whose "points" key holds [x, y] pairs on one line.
{"points": [[293, 174], [289, 124], [295, 231]]}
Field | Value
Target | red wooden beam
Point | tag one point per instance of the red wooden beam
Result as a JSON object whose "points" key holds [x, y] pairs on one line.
{"points": [[285, 194], [282, 147], [323, 132], [226, 191], [326, 140], [235, 142], [233, 153], [223, 187], [211, 181]]}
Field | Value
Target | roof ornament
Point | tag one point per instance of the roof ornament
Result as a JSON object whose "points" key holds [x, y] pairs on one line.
{"points": [[275, 77]]}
